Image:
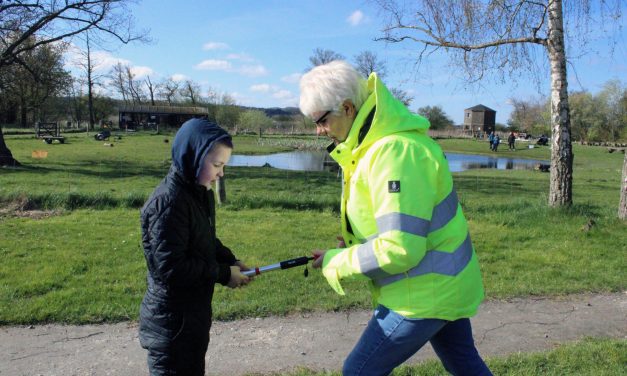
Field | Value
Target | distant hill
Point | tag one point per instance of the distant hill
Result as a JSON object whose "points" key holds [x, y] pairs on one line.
{"points": [[276, 111]]}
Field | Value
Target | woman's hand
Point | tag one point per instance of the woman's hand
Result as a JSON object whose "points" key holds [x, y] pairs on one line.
{"points": [[237, 278], [318, 255], [340, 242]]}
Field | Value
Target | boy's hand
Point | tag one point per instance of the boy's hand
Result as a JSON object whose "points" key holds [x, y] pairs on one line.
{"points": [[237, 278]]}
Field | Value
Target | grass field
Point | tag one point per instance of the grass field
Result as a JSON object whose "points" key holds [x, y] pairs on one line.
{"points": [[81, 261], [590, 357]]}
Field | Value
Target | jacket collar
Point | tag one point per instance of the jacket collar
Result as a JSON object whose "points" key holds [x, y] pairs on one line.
{"points": [[343, 152], [179, 178]]}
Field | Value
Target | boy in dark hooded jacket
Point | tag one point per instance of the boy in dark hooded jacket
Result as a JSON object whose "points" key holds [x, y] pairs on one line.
{"points": [[185, 259]]}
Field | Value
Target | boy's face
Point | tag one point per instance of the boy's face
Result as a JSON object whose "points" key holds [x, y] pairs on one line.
{"points": [[213, 165]]}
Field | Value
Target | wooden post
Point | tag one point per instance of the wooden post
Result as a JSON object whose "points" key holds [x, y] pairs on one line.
{"points": [[622, 206], [221, 188]]}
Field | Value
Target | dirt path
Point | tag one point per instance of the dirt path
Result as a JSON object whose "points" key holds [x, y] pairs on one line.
{"points": [[318, 341]]}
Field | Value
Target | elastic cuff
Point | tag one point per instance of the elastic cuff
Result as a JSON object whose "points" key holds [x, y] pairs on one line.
{"points": [[224, 274]]}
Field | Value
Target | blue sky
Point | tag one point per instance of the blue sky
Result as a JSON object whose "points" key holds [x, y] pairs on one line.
{"points": [[256, 50]]}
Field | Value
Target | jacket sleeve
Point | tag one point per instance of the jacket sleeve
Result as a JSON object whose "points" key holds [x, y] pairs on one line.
{"points": [[173, 262], [402, 181], [224, 255]]}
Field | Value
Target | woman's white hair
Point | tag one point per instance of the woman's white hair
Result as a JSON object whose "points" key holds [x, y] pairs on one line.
{"points": [[327, 86]]}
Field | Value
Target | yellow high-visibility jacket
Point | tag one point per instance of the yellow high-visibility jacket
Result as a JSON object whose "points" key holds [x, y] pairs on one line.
{"points": [[402, 223]]}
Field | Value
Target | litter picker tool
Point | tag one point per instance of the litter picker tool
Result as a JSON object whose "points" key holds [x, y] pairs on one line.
{"points": [[280, 265]]}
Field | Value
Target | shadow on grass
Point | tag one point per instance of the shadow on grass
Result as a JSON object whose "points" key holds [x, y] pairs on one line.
{"points": [[520, 186], [103, 169]]}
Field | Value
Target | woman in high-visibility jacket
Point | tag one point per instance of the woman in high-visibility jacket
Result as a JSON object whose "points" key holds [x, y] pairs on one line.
{"points": [[403, 229]]}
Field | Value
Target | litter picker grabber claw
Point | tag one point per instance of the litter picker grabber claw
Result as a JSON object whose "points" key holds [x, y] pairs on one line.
{"points": [[280, 265]]}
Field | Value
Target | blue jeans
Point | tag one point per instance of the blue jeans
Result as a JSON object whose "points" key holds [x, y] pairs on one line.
{"points": [[390, 339]]}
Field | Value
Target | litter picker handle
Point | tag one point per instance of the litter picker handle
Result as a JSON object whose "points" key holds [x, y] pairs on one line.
{"points": [[280, 265]]}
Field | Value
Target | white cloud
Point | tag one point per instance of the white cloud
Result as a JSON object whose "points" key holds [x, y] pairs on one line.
{"points": [[178, 77], [282, 94], [253, 70], [141, 72], [356, 18], [215, 46], [293, 78], [263, 88], [241, 57], [213, 64], [102, 61], [285, 96]]}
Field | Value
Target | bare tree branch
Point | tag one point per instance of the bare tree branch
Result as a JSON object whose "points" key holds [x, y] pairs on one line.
{"points": [[53, 21]]}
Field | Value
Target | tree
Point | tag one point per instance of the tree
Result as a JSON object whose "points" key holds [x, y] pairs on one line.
{"points": [[89, 70], [213, 101], [402, 96], [437, 117], [118, 79], [30, 90], [52, 21], [227, 113], [504, 36], [123, 80], [584, 116], [168, 90], [254, 120], [151, 89], [89, 66], [531, 116], [622, 206], [321, 56], [367, 62], [599, 117], [134, 86], [190, 90], [610, 106], [75, 97]]}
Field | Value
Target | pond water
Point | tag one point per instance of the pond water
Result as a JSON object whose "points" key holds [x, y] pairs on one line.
{"points": [[320, 161]]}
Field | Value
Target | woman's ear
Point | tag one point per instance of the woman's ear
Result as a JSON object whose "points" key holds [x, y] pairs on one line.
{"points": [[349, 108]]}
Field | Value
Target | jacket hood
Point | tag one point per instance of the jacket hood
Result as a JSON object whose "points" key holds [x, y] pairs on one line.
{"points": [[192, 143], [391, 116]]}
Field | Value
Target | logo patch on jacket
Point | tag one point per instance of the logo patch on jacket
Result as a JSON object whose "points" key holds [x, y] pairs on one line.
{"points": [[394, 186]]}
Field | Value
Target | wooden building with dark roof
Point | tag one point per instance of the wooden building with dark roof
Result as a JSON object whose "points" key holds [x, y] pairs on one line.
{"points": [[479, 118], [131, 117]]}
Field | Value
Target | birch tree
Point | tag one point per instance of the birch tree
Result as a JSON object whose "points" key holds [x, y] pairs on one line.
{"points": [[507, 37]]}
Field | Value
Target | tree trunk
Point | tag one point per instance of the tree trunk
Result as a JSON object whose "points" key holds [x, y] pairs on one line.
{"points": [[90, 85], [622, 206], [560, 191], [6, 158]]}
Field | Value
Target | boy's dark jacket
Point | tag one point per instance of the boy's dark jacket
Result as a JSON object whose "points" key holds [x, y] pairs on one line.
{"points": [[185, 259]]}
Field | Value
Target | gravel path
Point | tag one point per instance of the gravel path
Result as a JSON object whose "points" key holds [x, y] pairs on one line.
{"points": [[318, 341]]}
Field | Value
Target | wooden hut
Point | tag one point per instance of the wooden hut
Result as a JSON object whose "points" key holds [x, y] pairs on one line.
{"points": [[479, 119], [132, 117]]}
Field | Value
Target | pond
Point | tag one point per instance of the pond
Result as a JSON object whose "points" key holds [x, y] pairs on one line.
{"points": [[320, 161]]}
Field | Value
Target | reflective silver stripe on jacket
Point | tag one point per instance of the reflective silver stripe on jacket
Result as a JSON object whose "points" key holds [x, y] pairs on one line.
{"points": [[437, 262], [442, 214]]}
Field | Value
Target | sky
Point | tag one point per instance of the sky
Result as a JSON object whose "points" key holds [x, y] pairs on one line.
{"points": [[256, 51]]}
